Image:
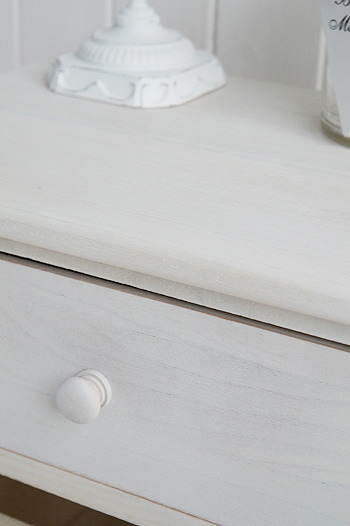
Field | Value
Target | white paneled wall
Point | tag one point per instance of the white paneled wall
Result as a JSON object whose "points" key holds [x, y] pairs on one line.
{"points": [[191, 17], [54, 26], [270, 39]]}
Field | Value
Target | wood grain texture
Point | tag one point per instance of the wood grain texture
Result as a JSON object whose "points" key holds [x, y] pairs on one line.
{"points": [[278, 318], [275, 40], [238, 192], [112, 501], [51, 28], [33, 506], [223, 421]]}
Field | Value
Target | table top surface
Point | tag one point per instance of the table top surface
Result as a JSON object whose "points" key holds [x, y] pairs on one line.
{"points": [[238, 192]]}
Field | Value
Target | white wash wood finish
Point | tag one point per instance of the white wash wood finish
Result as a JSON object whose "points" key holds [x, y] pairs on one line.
{"points": [[237, 193], [275, 40], [9, 521], [223, 421], [276, 318], [99, 497]]}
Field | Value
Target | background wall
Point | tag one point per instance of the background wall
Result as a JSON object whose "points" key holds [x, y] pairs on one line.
{"points": [[270, 39]]}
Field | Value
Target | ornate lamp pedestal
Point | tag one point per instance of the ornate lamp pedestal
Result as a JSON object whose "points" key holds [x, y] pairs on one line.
{"points": [[137, 63]]}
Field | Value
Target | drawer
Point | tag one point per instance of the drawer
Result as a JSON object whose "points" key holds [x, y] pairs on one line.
{"points": [[222, 420]]}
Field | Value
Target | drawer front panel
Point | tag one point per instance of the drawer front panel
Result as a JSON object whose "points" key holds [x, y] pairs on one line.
{"points": [[222, 420]]}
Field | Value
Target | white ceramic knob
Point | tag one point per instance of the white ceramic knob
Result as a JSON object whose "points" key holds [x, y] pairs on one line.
{"points": [[81, 397]]}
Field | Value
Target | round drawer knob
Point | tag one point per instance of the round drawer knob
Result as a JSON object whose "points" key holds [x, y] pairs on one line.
{"points": [[81, 397]]}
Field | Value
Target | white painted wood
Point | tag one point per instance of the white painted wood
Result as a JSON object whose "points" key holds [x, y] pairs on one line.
{"points": [[275, 317], [51, 27], [228, 211], [224, 421], [94, 495], [275, 40], [9, 521]]}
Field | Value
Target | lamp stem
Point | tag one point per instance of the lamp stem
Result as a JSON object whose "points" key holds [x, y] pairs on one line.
{"points": [[138, 4]]}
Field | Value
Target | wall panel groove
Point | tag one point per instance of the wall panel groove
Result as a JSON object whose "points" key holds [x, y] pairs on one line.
{"points": [[212, 26]]}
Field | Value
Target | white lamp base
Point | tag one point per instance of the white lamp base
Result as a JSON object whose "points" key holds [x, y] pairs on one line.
{"points": [[137, 63], [72, 76]]}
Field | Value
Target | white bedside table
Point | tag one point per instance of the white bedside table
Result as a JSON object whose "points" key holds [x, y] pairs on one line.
{"points": [[8, 521], [198, 258]]}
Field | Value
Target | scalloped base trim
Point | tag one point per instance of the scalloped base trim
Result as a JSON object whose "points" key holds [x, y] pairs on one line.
{"points": [[72, 76]]}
